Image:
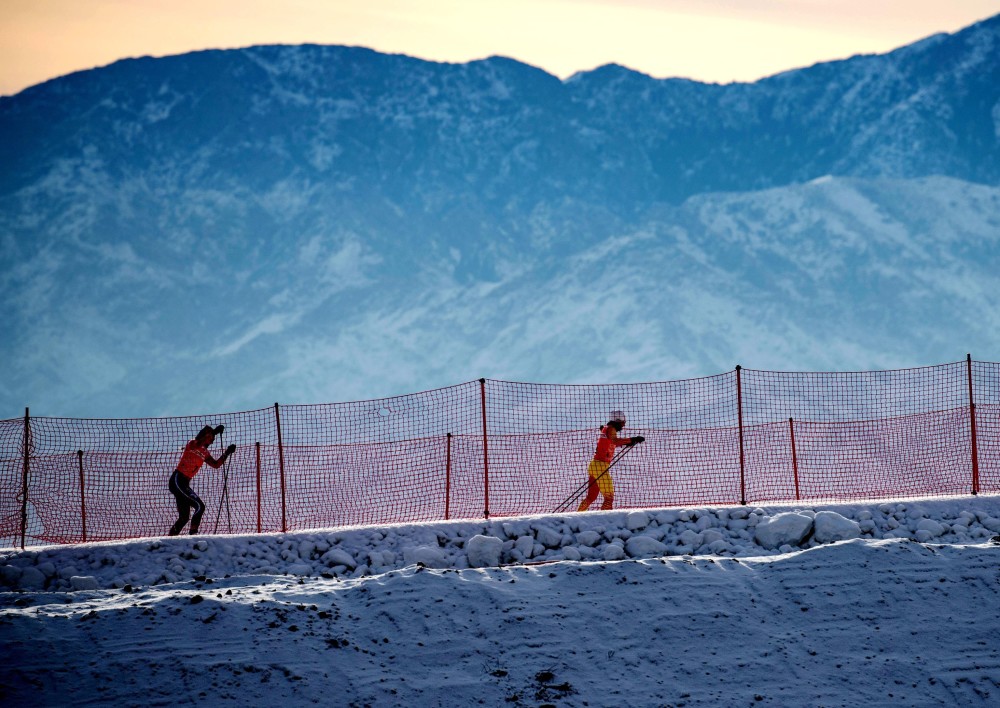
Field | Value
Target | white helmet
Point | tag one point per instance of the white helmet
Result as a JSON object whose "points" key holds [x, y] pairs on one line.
{"points": [[617, 417]]}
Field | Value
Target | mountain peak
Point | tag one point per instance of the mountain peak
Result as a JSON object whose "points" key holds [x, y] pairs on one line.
{"points": [[337, 204]]}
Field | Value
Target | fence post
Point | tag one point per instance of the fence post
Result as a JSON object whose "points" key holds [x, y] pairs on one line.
{"points": [[281, 467], [258, 487], [24, 477], [486, 452], [795, 459], [972, 427], [739, 413], [447, 482], [83, 498]]}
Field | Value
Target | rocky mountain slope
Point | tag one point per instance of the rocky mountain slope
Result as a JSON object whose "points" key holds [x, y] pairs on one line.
{"points": [[317, 223]]}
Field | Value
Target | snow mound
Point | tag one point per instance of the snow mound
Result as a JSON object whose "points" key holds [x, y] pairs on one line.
{"points": [[733, 532]]}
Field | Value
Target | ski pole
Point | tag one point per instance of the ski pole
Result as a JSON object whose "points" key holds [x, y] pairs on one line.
{"points": [[224, 496], [225, 492], [582, 487]]}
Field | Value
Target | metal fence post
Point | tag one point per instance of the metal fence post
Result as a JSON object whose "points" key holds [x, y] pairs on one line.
{"points": [[795, 459], [26, 440], [258, 487], [486, 452], [447, 481], [972, 428], [83, 498], [281, 467], [739, 413]]}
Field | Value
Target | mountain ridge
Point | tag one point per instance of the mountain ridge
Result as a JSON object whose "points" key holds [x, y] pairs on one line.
{"points": [[313, 223], [377, 86]]}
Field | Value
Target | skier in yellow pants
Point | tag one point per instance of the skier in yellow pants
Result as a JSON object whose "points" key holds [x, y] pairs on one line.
{"points": [[598, 477]]}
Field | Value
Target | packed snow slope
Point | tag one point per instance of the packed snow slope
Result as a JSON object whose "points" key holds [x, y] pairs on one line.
{"points": [[843, 605]]}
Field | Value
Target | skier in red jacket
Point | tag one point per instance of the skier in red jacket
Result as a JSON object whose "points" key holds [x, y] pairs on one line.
{"points": [[598, 477], [195, 455]]}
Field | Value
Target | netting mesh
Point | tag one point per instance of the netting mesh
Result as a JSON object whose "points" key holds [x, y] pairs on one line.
{"points": [[986, 383], [503, 448], [542, 436], [859, 435]]}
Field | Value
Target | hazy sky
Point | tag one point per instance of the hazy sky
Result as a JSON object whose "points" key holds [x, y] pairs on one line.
{"points": [[708, 40]]}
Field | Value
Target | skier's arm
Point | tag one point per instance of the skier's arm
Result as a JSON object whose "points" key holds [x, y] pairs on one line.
{"points": [[617, 441], [216, 464]]}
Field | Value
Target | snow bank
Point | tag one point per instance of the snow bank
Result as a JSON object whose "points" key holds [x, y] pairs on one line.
{"points": [[592, 536]]}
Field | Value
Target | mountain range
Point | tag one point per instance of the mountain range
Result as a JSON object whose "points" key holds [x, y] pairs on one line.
{"points": [[222, 229]]}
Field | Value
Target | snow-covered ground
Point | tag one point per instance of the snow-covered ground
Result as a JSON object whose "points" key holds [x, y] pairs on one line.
{"points": [[893, 603]]}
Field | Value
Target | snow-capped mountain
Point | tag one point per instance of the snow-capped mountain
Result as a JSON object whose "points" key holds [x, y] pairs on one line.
{"points": [[221, 229]]}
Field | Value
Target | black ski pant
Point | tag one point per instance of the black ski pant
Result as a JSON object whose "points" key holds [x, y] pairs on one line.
{"points": [[180, 487]]}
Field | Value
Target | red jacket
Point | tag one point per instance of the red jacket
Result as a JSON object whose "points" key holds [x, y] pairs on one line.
{"points": [[193, 458], [606, 445]]}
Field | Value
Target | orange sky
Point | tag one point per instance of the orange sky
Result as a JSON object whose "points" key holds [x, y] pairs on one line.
{"points": [[708, 40]]}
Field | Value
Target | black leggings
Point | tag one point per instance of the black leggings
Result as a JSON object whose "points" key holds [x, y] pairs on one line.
{"points": [[180, 487]]}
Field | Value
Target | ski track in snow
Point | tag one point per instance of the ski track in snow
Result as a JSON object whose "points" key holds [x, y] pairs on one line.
{"points": [[879, 619]]}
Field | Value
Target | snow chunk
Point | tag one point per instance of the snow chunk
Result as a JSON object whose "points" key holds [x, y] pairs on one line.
{"points": [[613, 552], [383, 559], [711, 536], [525, 546], [704, 522], [430, 556], [9, 575], [784, 529], [548, 537], [665, 518], [932, 527], [48, 569], [515, 529], [338, 556], [644, 546], [483, 551], [829, 526], [83, 582], [637, 520], [32, 578], [689, 538]]}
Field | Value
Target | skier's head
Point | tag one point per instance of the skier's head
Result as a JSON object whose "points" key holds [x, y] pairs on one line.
{"points": [[617, 420], [206, 436]]}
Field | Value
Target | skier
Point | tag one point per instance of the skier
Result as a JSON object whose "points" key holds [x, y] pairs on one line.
{"points": [[195, 455], [598, 477]]}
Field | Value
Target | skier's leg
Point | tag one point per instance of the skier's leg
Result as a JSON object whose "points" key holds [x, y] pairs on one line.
{"points": [[591, 495], [607, 486], [178, 488], [199, 509], [595, 469]]}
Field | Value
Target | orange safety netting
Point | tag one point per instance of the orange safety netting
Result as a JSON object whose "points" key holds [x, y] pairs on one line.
{"points": [[499, 448]]}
